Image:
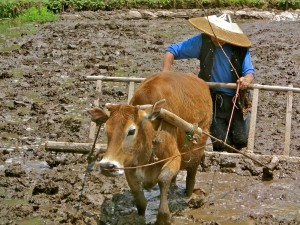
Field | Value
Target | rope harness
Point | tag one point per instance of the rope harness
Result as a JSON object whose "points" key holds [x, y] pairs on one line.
{"points": [[190, 137]]}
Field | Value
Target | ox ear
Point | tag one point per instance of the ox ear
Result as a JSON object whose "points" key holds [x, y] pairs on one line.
{"points": [[156, 109], [98, 115]]}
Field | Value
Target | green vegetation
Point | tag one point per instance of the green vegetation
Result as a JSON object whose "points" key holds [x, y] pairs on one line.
{"points": [[14, 8], [41, 14], [28, 10]]}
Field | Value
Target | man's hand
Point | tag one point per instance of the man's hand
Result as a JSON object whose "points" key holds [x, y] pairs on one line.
{"points": [[245, 81], [168, 61]]}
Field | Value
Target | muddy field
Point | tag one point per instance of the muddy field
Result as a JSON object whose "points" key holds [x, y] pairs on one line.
{"points": [[44, 96]]}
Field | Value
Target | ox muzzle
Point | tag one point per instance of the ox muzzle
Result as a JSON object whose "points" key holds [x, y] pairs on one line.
{"points": [[110, 168]]}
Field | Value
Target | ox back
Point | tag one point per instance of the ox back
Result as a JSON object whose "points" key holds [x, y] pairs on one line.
{"points": [[186, 95]]}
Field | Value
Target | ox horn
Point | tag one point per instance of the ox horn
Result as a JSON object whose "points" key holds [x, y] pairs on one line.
{"points": [[109, 106], [156, 105], [154, 110]]}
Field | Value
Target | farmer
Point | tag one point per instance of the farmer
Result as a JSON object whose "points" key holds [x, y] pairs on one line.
{"points": [[221, 41]]}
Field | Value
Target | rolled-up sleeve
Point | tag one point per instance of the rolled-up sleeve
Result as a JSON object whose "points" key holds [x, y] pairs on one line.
{"points": [[247, 65], [187, 49]]}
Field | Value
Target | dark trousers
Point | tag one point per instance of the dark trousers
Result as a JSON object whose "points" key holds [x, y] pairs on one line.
{"points": [[239, 128]]}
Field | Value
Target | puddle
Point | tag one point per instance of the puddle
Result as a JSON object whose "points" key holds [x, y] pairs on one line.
{"points": [[2, 190], [38, 166], [29, 165], [297, 58], [13, 202], [31, 221], [12, 29]]}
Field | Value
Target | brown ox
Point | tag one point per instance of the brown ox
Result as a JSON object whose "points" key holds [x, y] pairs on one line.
{"points": [[138, 136]]}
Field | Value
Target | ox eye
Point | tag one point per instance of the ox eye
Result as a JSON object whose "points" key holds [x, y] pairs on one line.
{"points": [[131, 132]]}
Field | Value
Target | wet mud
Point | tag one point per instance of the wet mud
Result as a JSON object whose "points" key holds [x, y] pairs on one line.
{"points": [[44, 96]]}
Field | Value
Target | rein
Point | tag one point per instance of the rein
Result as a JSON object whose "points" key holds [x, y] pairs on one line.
{"points": [[232, 111], [89, 168]]}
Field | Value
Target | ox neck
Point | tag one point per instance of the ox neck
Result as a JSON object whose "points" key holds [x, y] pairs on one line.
{"points": [[156, 140]]}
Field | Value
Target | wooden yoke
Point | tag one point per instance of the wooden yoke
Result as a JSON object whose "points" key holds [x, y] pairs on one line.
{"points": [[174, 119], [188, 127]]}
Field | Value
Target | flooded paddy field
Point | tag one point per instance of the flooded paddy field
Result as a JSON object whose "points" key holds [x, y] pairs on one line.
{"points": [[44, 97]]}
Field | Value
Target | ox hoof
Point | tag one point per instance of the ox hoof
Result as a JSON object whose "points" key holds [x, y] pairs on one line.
{"points": [[163, 220], [163, 223]]}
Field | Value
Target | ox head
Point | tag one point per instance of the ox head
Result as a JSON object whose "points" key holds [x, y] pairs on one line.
{"points": [[130, 131]]}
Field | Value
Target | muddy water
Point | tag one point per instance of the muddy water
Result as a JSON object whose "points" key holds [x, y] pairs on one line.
{"points": [[44, 97], [233, 199], [12, 29], [226, 199]]}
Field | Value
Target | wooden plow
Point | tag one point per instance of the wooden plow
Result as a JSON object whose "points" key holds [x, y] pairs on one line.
{"points": [[84, 148]]}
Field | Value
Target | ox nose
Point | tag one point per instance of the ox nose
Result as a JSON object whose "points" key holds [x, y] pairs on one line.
{"points": [[109, 166]]}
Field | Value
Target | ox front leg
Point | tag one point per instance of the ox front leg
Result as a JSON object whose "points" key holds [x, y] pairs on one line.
{"points": [[137, 191], [164, 181]]}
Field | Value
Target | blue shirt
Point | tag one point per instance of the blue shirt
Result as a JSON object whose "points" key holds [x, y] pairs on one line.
{"points": [[221, 71]]}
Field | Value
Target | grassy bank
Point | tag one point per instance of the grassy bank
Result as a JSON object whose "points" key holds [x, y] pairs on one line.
{"points": [[14, 8]]}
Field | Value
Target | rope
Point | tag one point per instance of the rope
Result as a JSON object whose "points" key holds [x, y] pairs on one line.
{"points": [[159, 161], [232, 67], [232, 111], [195, 149]]}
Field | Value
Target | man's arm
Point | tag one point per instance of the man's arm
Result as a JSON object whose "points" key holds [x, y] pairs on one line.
{"points": [[168, 61], [187, 49], [248, 72]]}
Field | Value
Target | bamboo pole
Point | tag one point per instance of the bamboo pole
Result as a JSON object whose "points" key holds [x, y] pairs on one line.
{"points": [[288, 124], [85, 148], [251, 135], [116, 79], [254, 86], [96, 103], [263, 157], [72, 147], [211, 84]]}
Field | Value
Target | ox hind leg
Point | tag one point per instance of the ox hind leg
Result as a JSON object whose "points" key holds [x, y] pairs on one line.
{"points": [[137, 191], [191, 180], [192, 169]]}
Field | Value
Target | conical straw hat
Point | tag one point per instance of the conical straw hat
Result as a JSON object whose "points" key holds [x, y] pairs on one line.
{"points": [[222, 28]]}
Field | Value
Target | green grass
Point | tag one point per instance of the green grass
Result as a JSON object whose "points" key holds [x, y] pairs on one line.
{"points": [[35, 14], [12, 8]]}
